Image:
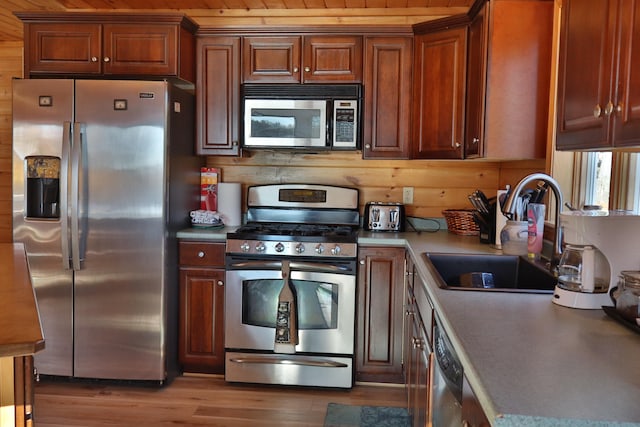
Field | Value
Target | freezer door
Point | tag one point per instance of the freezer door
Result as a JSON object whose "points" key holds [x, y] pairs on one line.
{"points": [[40, 110], [120, 288]]}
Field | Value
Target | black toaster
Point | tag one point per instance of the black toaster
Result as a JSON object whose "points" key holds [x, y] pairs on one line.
{"points": [[384, 216]]}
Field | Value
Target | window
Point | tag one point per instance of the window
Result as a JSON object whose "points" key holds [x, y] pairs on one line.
{"points": [[610, 180], [598, 179]]}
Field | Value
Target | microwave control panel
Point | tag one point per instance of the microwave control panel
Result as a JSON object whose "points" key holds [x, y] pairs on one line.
{"points": [[345, 128]]}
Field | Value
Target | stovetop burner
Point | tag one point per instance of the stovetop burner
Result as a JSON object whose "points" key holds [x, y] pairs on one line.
{"points": [[298, 220]]}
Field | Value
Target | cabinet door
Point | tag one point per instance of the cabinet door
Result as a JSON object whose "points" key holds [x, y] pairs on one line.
{"points": [[271, 59], [380, 314], [332, 59], [147, 49], [387, 98], [422, 354], [476, 80], [626, 108], [585, 73], [472, 413], [201, 346], [218, 95], [439, 94], [63, 49]]}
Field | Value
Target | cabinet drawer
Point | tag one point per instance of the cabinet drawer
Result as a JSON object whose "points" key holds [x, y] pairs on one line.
{"points": [[202, 254]]}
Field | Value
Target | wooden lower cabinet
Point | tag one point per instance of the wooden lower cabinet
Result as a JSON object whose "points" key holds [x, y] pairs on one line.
{"points": [[417, 351], [380, 314], [201, 333]]}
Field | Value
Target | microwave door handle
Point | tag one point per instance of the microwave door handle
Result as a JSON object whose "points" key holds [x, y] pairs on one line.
{"points": [[64, 194], [76, 169]]}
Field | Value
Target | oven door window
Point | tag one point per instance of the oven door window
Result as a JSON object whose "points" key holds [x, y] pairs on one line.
{"points": [[316, 302]]}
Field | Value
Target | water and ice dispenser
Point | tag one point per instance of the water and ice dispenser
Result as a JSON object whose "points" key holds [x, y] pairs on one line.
{"points": [[43, 187]]}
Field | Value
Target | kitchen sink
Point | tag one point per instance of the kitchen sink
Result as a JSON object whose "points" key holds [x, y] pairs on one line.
{"points": [[488, 272]]}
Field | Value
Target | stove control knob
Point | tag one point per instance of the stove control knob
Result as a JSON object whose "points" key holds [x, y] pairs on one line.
{"points": [[320, 249], [336, 250], [245, 247], [260, 247], [279, 247], [299, 248]]}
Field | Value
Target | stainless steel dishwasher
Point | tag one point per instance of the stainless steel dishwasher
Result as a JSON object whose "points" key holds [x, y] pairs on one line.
{"points": [[446, 382]]}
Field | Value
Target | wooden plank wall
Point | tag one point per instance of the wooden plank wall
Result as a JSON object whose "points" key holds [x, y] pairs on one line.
{"points": [[10, 67], [438, 184]]}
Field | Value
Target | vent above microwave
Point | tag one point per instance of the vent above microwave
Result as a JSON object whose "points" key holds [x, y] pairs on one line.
{"points": [[300, 91]]}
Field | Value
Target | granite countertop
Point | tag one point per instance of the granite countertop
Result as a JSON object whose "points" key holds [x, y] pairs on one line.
{"points": [[20, 329], [529, 361]]}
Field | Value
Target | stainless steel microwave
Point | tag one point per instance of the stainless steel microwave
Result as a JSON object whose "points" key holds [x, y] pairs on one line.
{"points": [[310, 117]]}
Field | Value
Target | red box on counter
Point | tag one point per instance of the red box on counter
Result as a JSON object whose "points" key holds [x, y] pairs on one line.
{"points": [[209, 189]]}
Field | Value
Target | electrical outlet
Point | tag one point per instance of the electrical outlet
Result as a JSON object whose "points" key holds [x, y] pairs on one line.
{"points": [[407, 195]]}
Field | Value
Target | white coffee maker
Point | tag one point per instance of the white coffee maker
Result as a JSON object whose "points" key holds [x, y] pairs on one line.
{"points": [[598, 245]]}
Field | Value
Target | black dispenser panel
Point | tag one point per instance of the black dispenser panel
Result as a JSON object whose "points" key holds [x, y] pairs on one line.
{"points": [[43, 187]]}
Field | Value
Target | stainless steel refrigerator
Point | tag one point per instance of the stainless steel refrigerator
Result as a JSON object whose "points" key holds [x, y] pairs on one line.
{"points": [[103, 177]]}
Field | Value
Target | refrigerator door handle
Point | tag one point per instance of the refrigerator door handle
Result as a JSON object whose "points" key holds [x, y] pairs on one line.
{"points": [[64, 199], [76, 158]]}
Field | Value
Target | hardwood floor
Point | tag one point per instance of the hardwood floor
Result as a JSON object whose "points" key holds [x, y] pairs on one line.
{"points": [[196, 401]]}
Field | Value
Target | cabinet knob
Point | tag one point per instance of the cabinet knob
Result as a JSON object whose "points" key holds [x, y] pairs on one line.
{"points": [[456, 145], [106, 59], [361, 262], [367, 146], [609, 108], [201, 254], [618, 108], [418, 343], [295, 69], [307, 69], [220, 283], [597, 111], [234, 143], [94, 59], [475, 140]]}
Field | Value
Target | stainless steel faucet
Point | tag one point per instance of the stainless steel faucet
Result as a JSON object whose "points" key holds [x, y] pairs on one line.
{"points": [[509, 208]]}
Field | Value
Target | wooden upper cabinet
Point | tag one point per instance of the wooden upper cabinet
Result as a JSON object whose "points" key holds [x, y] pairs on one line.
{"points": [[481, 82], [63, 48], [518, 76], [302, 59], [476, 84], [387, 98], [92, 44], [599, 86], [142, 49], [218, 95], [439, 94], [332, 59]]}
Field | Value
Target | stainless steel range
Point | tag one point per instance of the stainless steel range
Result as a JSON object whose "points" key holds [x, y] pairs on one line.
{"points": [[290, 294]]}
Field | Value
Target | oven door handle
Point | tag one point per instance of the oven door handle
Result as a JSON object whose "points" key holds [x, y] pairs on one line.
{"points": [[324, 363], [301, 266]]}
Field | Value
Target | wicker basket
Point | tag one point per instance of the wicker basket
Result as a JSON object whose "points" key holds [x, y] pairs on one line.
{"points": [[460, 221]]}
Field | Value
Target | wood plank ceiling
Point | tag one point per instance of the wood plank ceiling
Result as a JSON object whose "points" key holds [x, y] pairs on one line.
{"points": [[211, 11]]}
